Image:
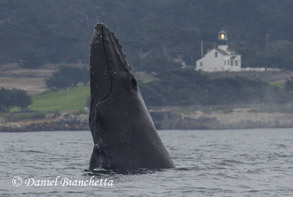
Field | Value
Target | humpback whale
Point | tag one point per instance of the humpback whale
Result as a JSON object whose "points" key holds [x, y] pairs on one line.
{"points": [[123, 131]]}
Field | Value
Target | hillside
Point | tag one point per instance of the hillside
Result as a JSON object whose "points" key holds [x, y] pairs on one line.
{"points": [[152, 32]]}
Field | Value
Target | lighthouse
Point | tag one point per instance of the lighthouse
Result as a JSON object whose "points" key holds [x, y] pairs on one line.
{"points": [[221, 58]]}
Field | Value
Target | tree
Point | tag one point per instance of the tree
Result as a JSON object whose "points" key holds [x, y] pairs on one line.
{"points": [[57, 80], [76, 74], [6, 100], [13, 98], [289, 84], [67, 76], [21, 98]]}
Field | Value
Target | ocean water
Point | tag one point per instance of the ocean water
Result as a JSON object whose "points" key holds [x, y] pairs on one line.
{"points": [[256, 162]]}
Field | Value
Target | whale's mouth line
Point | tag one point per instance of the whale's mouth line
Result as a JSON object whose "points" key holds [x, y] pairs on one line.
{"points": [[107, 65], [108, 69]]}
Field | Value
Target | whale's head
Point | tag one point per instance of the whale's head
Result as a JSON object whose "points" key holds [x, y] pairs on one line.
{"points": [[111, 75], [109, 68]]}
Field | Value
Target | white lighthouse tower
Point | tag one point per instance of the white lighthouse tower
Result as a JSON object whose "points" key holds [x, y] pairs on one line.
{"points": [[221, 58]]}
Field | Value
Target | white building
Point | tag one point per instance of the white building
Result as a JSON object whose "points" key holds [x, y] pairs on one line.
{"points": [[220, 58]]}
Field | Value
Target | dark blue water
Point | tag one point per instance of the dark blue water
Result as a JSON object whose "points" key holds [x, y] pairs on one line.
{"points": [[208, 163]]}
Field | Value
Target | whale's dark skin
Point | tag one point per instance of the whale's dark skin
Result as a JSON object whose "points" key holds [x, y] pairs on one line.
{"points": [[123, 131]]}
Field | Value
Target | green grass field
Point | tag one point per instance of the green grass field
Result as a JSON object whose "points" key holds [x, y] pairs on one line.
{"points": [[278, 84], [147, 79], [73, 99]]}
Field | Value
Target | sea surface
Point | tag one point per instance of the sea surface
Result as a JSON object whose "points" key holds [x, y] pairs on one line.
{"points": [[256, 162]]}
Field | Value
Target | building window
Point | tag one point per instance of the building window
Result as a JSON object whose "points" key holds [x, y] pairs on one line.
{"points": [[236, 62], [228, 62], [225, 62], [216, 54], [200, 64], [231, 62]]}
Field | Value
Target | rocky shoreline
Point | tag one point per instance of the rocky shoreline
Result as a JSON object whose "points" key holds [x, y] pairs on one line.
{"points": [[220, 121], [52, 122], [237, 119]]}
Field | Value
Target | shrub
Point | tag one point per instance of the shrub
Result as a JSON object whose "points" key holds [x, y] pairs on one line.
{"points": [[67, 76], [289, 84], [13, 98]]}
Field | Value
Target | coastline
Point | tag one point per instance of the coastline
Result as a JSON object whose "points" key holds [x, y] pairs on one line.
{"points": [[164, 120]]}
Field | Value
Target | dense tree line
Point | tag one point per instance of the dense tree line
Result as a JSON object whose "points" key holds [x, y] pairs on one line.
{"points": [[152, 32], [67, 76], [192, 88], [13, 98]]}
